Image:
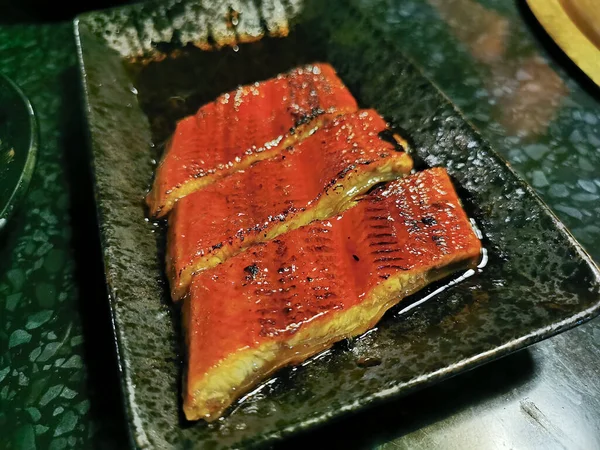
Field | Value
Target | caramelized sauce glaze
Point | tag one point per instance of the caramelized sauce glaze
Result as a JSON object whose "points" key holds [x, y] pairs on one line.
{"points": [[284, 300], [243, 126], [315, 179]]}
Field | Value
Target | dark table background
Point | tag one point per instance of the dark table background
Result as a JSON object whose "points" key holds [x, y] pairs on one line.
{"points": [[59, 384]]}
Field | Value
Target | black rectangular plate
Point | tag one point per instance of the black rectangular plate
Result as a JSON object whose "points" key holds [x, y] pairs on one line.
{"points": [[141, 72]]}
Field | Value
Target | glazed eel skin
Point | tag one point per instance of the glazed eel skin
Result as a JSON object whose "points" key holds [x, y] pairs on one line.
{"points": [[316, 179], [284, 300], [241, 127]]}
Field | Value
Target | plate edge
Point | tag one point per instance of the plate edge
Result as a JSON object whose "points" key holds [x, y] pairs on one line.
{"points": [[466, 364], [137, 435]]}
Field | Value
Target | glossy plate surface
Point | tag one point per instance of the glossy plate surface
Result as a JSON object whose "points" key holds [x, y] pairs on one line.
{"points": [[18, 146], [145, 66]]}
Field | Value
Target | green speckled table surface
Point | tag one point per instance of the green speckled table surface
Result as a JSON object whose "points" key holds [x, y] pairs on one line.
{"points": [[58, 373]]}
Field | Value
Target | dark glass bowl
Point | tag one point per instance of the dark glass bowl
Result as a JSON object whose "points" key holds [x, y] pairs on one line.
{"points": [[18, 147]]}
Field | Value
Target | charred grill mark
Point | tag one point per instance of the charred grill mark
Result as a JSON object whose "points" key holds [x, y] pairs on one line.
{"points": [[319, 287], [252, 271], [325, 296], [385, 250], [333, 183], [388, 259], [288, 277], [268, 333], [429, 221], [322, 248], [440, 241], [313, 102], [413, 225], [318, 233], [379, 218], [258, 228], [438, 205], [390, 266], [287, 301], [281, 249], [265, 321], [267, 312], [241, 235], [262, 292], [292, 91], [319, 239], [267, 327], [305, 118], [374, 244], [379, 235]]}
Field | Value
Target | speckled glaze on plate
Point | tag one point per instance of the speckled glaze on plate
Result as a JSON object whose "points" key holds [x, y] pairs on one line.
{"points": [[146, 65], [18, 146]]}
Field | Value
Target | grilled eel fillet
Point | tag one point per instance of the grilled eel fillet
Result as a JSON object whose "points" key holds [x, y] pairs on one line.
{"points": [[241, 127], [282, 301], [316, 179]]}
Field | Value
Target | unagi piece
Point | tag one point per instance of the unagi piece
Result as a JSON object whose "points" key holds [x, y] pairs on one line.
{"points": [[316, 179], [241, 127], [284, 300]]}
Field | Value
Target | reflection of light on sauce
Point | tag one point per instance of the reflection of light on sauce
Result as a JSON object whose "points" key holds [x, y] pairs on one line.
{"points": [[483, 260], [476, 229], [484, 253], [257, 390], [316, 357], [464, 276], [368, 332]]}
